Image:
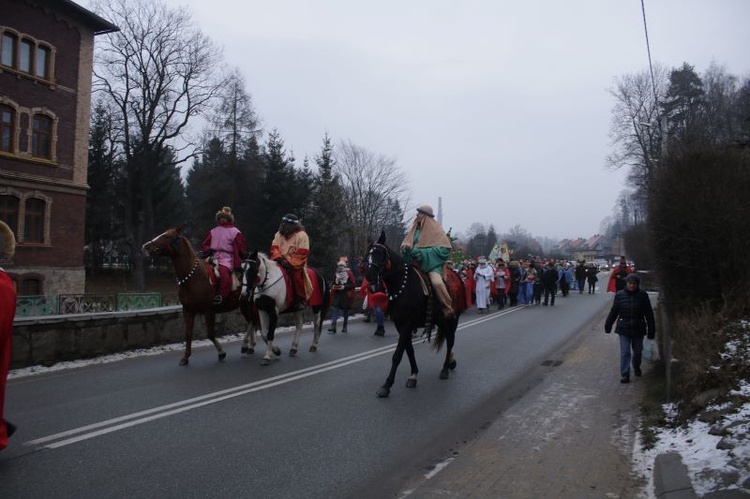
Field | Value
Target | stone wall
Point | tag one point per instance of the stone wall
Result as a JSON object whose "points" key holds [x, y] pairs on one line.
{"points": [[56, 338], [52, 339]]}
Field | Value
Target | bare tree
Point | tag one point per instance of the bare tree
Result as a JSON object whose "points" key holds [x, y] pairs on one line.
{"points": [[635, 129], [233, 120], [158, 72], [371, 183]]}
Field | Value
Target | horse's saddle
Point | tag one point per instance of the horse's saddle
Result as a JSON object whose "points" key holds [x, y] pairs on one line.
{"points": [[315, 298], [212, 271], [424, 280]]}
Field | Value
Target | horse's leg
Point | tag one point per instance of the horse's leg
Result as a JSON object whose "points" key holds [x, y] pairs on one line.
{"points": [[189, 318], [398, 354], [297, 333], [317, 327], [248, 342], [273, 317], [412, 381], [450, 339], [211, 331]]}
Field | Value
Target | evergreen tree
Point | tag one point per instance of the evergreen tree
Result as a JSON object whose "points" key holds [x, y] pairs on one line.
{"points": [[684, 100], [325, 221], [277, 188], [103, 206]]}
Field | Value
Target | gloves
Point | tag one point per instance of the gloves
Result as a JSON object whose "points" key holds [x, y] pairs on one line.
{"points": [[651, 336], [608, 331]]}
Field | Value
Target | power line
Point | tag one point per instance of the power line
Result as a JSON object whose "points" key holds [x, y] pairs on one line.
{"points": [[648, 49]]}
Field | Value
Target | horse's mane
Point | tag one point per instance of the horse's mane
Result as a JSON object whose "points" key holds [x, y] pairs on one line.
{"points": [[187, 244]]}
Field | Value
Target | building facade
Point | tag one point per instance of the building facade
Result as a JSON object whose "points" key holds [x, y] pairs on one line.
{"points": [[46, 64]]}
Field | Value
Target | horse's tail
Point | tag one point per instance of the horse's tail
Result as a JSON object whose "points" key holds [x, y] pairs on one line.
{"points": [[326, 290], [439, 340]]}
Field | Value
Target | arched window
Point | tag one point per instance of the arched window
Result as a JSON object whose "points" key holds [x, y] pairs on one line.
{"points": [[33, 227], [31, 286], [7, 118], [9, 212], [27, 51], [41, 138], [9, 50], [42, 62]]}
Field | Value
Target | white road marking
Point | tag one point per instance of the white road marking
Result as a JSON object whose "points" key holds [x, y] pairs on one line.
{"points": [[87, 432]]}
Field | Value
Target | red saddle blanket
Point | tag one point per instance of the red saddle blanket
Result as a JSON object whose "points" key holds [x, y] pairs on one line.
{"points": [[316, 299]]}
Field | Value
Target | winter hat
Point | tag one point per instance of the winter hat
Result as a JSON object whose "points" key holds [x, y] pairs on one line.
{"points": [[226, 214], [7, 242]]}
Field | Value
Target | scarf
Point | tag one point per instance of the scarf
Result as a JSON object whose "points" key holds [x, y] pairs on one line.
{"points": [[342, 276]]}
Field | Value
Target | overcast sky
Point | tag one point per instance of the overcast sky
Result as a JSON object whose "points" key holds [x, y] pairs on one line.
{"points": [[499, 108]]}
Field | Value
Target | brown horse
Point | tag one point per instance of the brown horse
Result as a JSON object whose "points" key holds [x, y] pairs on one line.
{"points": [[196, 292]]}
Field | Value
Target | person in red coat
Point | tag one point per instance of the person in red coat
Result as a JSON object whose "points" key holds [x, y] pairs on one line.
{"points": [[7, 314], [617, 278]]}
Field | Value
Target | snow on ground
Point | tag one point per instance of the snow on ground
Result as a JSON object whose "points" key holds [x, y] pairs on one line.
{"points": [[717, 455]]}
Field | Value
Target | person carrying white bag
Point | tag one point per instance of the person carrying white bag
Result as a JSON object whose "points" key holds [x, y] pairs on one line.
{"points": [[632, 310]]}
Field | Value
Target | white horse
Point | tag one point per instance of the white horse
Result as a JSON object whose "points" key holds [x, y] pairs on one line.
{"points": [[264, 281]]}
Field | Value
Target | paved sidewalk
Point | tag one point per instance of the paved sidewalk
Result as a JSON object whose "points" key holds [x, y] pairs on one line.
{"points": [[571, 436]]}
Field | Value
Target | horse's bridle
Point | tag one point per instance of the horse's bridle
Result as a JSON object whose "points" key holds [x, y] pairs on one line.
{"points": [[380, 267], [259, 286], [385, 268]]}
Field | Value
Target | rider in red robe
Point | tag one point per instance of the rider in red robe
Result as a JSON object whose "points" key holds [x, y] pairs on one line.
{"points": [[291, 248], [227, 244]]}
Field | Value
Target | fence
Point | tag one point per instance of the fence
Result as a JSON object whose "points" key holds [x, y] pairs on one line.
{"points": [[40, 306]]}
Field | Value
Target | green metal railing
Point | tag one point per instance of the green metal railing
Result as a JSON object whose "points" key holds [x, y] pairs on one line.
{"points": [[38, 306]]}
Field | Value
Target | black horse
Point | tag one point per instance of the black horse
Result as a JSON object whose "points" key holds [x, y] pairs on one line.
{"points": [[412, 304]]}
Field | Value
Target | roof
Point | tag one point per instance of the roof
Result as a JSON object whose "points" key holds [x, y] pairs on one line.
{"points": [[85, 16]]}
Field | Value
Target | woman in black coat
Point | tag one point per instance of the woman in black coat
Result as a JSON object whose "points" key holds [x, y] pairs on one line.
{"points": [[635, 319]]}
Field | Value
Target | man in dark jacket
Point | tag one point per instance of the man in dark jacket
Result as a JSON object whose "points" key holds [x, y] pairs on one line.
{"points": [[549, 283], [635, 319]]}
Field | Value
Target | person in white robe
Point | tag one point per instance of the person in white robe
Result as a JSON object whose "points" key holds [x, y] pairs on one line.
{"points": [[483, 276]]}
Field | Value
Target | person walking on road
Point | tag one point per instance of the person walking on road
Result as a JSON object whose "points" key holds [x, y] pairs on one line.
{"points": [[632, 310], [7, 314], [343, 295], [580, 274]]}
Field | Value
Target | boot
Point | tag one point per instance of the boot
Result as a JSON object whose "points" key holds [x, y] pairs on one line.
{"points": [[380, 331], [343, 329], [332, 329]]}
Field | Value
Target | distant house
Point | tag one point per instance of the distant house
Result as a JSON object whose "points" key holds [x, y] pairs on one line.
{"points": [[46, 62], [588, 250]]}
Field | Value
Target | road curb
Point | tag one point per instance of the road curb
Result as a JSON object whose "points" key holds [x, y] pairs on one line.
{"points": [[671, 479]]}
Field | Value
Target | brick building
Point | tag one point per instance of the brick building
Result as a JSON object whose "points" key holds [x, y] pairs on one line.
{"points": [[46, 62]]}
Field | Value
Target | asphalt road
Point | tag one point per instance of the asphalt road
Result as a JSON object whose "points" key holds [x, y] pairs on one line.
{"points": [[309, 426]]}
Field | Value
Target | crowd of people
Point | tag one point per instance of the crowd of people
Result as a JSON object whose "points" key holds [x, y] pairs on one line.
{"points": [[524, 282]]}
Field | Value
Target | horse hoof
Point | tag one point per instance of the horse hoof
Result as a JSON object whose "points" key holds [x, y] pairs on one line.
{"points": [[411, 383], [249, 351], [382, 392], [183, 362], [313, 349], [444, 374], [222, 356], [452, 365], [244, 350], [276, 351], [292, 352], [265, 362]]}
